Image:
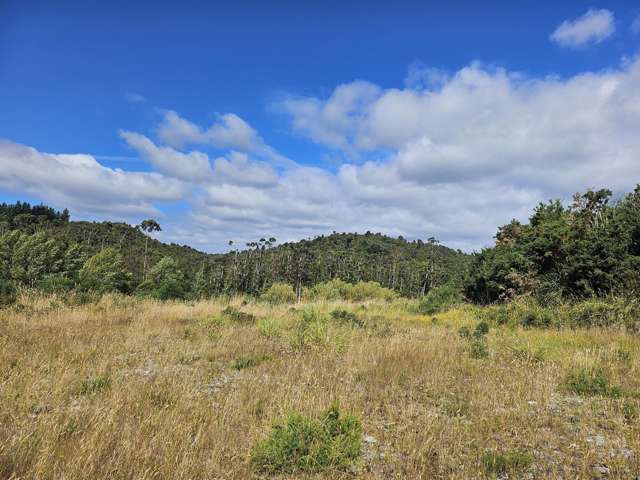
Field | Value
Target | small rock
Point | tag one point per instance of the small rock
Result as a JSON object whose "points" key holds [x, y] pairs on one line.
{"points": [[600, 470], [532, 403], [369, 439]]}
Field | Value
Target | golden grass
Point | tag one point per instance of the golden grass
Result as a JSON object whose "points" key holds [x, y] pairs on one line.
{"points": [[140, 389]]}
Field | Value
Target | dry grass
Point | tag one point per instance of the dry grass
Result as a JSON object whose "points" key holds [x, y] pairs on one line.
{"points": [[138, 389]]}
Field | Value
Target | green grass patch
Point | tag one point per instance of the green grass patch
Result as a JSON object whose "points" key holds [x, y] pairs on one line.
{"points": [[91, 386], [499, 464]]}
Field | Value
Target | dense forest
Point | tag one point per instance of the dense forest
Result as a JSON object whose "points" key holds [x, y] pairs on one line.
{"points": [[590, 248], [40, 247]]}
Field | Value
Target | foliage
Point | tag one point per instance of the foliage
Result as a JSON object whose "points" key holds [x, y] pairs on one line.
{"points": [[91, 386], [279, 293], [105, 272], [241, 363], [337, 289], [302, 444], [164, 281], [589, 249], [440, 299], [7, 292], [237, 315], [590, 381], [346, 317]]}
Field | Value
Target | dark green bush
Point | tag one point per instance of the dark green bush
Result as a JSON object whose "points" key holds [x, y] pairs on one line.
{"points": [[238, 315], [440, 299], [302, 444], [7, 292], [590, 381], [347, 318], [481, 330], [464, 332], [479, 348]]}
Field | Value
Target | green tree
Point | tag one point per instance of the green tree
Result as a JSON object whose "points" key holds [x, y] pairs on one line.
{"points": [[165, 281], [148, 226], [105, 272]]}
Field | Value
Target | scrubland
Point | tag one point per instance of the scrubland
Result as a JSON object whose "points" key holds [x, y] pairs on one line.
{"points": [[129, 388]]}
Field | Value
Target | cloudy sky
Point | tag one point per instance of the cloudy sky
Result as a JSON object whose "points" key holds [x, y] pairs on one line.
{"points": [[292, 119]]}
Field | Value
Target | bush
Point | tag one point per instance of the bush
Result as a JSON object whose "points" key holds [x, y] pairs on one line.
{"points": [[279, 293], [310, 328], [8, 292], [481, 330], [301, 444], [347, 318], [440, 299], [479, 349], [336, 289], [56, 283], [238, 315], [590, 381]]}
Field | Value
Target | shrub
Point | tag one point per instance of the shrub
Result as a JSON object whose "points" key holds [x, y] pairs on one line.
{"points": [[479, 348], [7, 292], [590, 381], [238, 315], [56, 283], [301, 444], [440, 299], [347, 318], [464, 332], [499, 464], [481, 330], [337, 289], [279, 293]]}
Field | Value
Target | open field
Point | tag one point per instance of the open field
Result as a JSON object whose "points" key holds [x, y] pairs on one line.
{"points": [[126, 388]]}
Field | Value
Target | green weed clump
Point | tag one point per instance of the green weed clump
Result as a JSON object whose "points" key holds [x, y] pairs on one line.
{"points": [[279, 293], [309, 445], [238, 315], [440, 299], [590, 381], [500, 464], [7, 292], [310, 328], [241, 363], [91, 386]]}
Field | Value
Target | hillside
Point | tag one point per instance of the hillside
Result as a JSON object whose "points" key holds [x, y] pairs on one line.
{"points": [[411, 268]]}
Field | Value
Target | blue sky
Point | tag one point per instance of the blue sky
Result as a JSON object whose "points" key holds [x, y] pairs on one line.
{"points": [[233, 121]]}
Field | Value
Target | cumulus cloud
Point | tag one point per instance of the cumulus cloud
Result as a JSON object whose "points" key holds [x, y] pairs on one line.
{"points": [[79, 182], [592, 27], [193, 166], [229, 131], [452, 158]]}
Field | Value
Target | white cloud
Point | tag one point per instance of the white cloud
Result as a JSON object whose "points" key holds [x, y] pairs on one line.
{"points": [[133, 97], [592, 27], [229, 131], [453, 158], [79, 182], [193, 166]]}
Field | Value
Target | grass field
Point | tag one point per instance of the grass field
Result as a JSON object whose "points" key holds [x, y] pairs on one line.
{"points": [[126, 388]]}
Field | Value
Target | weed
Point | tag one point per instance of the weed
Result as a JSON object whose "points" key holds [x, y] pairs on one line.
{"points": [[241, 363], [91, 386], [479, 349], [481, 330], [346, 317]]}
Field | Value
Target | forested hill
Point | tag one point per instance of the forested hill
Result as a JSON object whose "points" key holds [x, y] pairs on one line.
{"points": [[37, 242]]}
